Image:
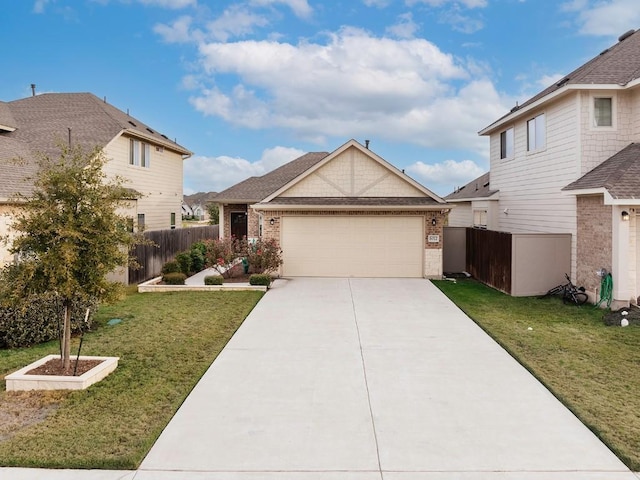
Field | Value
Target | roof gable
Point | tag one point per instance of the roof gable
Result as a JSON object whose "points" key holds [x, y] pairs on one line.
{"points": [[352, 171]]}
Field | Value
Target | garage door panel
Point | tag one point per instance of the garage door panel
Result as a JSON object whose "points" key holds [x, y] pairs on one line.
{"points": [[352, 246]]}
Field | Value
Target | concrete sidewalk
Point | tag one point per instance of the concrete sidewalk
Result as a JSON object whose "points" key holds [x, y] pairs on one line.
{"points": [[366, 379]]}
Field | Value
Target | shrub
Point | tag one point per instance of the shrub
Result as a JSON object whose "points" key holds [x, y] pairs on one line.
{"points": [[176, 278], [213, 280], [264, 256], [184, 260], [36, 319], [171, 267], [197, 261], [223, 253], [260, 279]]}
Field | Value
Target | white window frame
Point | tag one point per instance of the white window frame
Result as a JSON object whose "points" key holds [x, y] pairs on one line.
{"points": [[139, 153], [510, 143], [592, 111], [479, 215], [537, 133]]}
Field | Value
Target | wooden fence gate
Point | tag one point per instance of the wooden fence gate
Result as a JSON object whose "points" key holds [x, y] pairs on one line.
{"points": [[489, 257]]}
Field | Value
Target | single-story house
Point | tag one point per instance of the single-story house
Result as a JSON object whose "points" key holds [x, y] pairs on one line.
{"points": [[348, 213]]}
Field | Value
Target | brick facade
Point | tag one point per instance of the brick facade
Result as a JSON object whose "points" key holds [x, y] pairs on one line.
{"points": [[594, 244]]}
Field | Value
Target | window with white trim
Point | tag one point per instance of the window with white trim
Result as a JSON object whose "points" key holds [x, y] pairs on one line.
{"points": [[536, 133], [507, 143], [480, 218], [139, 153], [602, 112]]}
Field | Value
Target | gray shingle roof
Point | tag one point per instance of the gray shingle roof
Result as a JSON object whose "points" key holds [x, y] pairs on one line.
{"points": [[617, 65], [43, 121], [255, 189], [619, 175], [478, 188], [6, 118]]}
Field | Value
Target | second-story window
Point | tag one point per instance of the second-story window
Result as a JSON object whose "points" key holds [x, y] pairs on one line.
{"points": [[506, 143], [139, 153], [536, 133], [602, 112]]}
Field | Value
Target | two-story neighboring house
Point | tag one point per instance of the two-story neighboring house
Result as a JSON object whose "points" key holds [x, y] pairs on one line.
{"points": [[149, 161], [565, 161]]}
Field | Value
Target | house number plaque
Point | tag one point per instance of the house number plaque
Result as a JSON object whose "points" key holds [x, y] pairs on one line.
{"points": [[433, 238]]}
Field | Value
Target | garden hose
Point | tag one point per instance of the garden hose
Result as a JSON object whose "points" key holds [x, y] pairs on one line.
{"points": [[606, 290]]}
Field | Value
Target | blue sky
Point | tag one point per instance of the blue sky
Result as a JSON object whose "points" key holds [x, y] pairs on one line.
{"points": [[250, 84]]}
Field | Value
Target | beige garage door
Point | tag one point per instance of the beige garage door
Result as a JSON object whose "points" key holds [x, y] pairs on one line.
{"points": [[352, 246]]}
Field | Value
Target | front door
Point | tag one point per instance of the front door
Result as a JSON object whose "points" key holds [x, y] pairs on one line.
{"points": [[239, 224]]}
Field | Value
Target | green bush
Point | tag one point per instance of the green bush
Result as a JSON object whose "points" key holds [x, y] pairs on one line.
{"points": [[171, 267], [197, 261], [264, 256], [37, 319], [213, 280], [184, 260], [260, 279], [176, 278]]}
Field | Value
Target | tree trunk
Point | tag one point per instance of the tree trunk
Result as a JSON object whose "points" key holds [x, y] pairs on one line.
{"points": [[66, 338]]}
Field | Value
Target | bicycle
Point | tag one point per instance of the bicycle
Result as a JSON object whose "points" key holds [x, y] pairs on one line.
{"points": [[570, 293]]}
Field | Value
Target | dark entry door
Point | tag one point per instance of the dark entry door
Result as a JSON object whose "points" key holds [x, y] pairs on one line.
{"points": [[238, 224]]}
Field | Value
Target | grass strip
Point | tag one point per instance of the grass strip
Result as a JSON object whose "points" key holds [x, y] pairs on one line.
{"points": [[165, 342], [592, 368]]}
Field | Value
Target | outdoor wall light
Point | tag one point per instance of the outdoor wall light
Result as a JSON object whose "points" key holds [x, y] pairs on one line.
{"points": [[272, 221], [433, 222], [625, 216]]}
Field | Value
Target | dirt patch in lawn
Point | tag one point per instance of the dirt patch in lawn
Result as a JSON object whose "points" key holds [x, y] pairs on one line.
{"points": [[19, 410], [632, 315], [55, 367]]}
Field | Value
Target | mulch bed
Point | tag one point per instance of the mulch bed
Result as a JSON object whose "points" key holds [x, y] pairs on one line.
{"points": [[54, 367], [612, 319]]}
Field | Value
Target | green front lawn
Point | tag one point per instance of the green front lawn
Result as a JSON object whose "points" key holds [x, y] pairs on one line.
{"points": [[593, 369], [165, 342]]}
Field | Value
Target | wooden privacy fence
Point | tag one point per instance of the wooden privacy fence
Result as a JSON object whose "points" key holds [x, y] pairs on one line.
{"points": [[168, 243], [489, 256]]}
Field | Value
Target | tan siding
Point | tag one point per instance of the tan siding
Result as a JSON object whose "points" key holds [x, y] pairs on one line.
{"points": [[160, 185], [461, 215], [353, 174], [5, 230], [598, 144]]}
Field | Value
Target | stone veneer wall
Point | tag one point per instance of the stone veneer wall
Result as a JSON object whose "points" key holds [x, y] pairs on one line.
{"points": [[433, 251], [594, 241]]}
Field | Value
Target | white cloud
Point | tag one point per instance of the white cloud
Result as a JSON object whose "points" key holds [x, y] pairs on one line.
{"points": [[445, 176], [405, 27], [439, 3], [461, 23], [178, 32], [235, 21], [172, 4], [39, 6], [352, 86], [613, 17], [376, 3], [300, 8], [214, 174]]}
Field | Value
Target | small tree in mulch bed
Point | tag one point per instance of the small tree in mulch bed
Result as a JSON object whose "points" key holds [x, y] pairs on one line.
{"points": [[70, 236]]}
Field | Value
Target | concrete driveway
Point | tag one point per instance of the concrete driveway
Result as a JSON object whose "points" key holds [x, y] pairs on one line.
{"points": [[369, 379]]}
